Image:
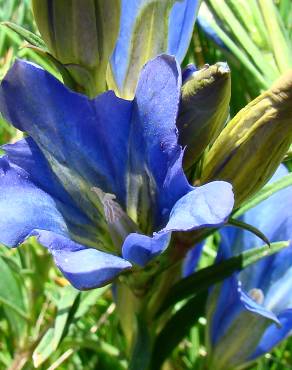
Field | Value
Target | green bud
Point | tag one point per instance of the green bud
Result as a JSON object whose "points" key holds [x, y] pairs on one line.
{"points": [[80, 34], [204, 109], [252, 145]]}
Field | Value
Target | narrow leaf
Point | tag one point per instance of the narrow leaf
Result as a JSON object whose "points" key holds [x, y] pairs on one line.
{"points": [[264, 193], [250, 228], [12, 299], [26, 35], [44, 348], [87, 300], [52, 338], [204, 278], [176, 329]]}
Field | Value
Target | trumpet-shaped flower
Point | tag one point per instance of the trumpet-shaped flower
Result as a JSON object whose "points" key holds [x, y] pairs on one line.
{"points": [[251, 312], [149, 28], [99, 182]]}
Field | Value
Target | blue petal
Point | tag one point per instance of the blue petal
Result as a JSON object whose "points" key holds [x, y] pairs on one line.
{"points": [[85, 268], [274, 334], [235, 325], [141, 249], [205, 206], [26, 158], [141, 25], [273, 217], [277, 285], [229, 302], [181, 25], [24, 207], [192, 259], [74, 133], [199, 208], [156, 178], [28, 209], [187, 72], [272, 275]]}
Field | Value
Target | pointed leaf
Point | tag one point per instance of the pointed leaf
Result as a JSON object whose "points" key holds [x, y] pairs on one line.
{"points": [[204, 278], [250, 228], [28, 36]]}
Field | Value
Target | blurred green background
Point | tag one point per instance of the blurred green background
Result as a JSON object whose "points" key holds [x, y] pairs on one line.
{"points": [[45, 322]]}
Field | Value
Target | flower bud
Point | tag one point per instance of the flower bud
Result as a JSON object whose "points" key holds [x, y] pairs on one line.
{"points": [[81, 35], [204, 109], [252, 145]]}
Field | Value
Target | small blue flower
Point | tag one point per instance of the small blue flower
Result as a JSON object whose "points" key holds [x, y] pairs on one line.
{"points": [[149, 28], [251, 312], [99, 182]]}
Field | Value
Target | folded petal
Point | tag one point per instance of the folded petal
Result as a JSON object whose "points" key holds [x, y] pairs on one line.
{"points": [[143, 36], [199, 208], [85, 268], [141, 249], [205, 206]]}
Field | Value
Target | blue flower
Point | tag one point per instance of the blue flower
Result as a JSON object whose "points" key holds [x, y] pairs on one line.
{"points": [[251, 312], [99, 182], [147, 29]]}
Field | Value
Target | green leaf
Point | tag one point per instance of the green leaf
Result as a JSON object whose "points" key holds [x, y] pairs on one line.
{"points": [[51, 340], [250, 228], [202, 279], [176, 329], [12, 299], [65, 306], [87, 300], [44, 348], [265, 193], [28, 36]]}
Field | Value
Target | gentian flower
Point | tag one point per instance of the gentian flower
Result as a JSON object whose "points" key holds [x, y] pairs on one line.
{"points": [[149, 28], [99, 182], [251, 312]]}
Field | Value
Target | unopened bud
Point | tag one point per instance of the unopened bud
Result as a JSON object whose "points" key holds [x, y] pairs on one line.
{"points": [[203, 110], [252, 145], [81, 35]]}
